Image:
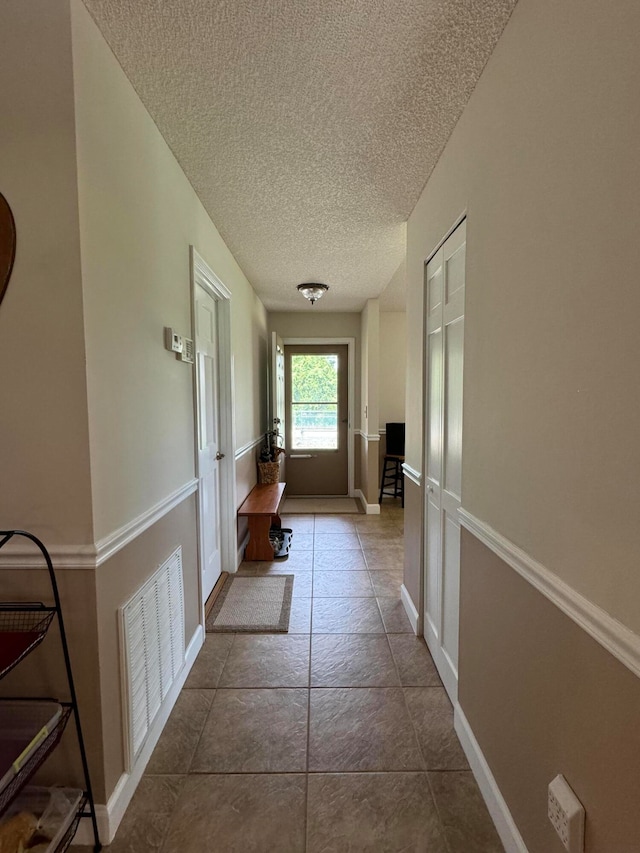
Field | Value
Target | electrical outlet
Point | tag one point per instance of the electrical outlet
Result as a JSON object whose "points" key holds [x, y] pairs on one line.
{"points": [[566, 814]]}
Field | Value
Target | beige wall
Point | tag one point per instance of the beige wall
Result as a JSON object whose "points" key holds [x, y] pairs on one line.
{"points": [[393, 367], [98, 427], [545, 161], [139, 215], [315, 324], [543, 698], [44, 442]]}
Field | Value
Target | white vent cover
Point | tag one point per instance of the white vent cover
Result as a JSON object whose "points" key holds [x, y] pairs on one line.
{"points": [[152, 625], [188, 351]]}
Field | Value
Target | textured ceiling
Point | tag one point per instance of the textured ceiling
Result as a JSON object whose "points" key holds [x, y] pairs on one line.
{"points": [[307, 127]]}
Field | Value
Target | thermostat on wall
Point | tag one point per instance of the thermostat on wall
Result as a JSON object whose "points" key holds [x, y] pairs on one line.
{"points": [[172, 340]]}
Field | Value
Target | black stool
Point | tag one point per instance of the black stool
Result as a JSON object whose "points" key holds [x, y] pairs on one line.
{"points": [[392, 482]]}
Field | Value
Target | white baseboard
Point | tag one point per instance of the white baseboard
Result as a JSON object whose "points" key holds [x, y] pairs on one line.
{"points": [[370, 509], [410, 608], [109, 816], [498, 809]]}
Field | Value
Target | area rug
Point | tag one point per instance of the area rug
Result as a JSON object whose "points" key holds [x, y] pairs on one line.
{"points": [[300, 506], [252, 605]]}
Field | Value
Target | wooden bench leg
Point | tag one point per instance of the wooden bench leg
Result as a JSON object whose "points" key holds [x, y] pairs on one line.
{"points": [[259, 547]]}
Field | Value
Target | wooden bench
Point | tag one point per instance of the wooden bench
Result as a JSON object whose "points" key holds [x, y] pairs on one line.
{"points": [[261, 509]]}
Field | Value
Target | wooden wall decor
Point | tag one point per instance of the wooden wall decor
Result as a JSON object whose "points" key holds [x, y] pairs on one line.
{"points": [[7, 244]]}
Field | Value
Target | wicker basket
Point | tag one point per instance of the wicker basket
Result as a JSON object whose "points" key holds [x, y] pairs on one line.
{"points": [[268, 472]]}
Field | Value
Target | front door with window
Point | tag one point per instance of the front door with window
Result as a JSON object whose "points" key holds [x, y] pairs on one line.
{"points": [[317, 394]]}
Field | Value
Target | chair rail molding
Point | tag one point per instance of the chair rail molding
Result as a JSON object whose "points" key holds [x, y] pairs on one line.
{"points": [[73, 557], [248, 446], [367, 437], [411, 474], [616, 638]]}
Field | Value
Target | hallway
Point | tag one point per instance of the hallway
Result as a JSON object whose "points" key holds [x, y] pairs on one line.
{"points": [[337, 736]]}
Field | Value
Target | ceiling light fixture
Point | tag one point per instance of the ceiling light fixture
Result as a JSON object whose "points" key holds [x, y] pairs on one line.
{"points": [[312, 290]]}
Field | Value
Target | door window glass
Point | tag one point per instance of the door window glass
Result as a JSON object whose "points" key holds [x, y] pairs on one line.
{"points": [[314, 402]]}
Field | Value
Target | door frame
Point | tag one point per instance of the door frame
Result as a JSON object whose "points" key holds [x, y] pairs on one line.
{"points": [[203, 276], [351, 349], [450, 686]]}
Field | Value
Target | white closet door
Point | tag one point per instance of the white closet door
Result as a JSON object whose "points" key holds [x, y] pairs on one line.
{"points": [[444, 350], [208, 437]]}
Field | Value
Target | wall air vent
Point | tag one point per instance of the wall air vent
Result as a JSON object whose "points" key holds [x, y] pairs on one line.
{"points": [[187, 353], [153, 651]]}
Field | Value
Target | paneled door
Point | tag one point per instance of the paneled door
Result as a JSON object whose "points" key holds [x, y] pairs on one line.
{"points": [[317, 419], [445, 288], [209, 456]]}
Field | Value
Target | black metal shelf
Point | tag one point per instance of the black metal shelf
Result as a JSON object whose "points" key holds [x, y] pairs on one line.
{"points": [[73, 826], [36, 759], [22, 628], [34, 619]]}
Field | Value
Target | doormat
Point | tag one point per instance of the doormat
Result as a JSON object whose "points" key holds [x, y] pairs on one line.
{"points": [[300, 506], [252, 605]]}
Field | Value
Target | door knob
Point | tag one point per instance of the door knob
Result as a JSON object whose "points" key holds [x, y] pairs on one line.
{"points": [[219, 456]]}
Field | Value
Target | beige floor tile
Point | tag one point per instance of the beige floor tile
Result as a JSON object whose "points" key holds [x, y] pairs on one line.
{"points": [[180, 736], [384, 559], [346, 616], [334, 524], [364, 729], [432, 715], [352, 660], [303, 524], [372, 813], [381, 538], [300, 561], [205, 672], [302, 542], [254, 731], [336, 541], [247, 569], [300, 616], [302, 585], [387, 583], [260, 813], [394, 615], [147, 818], [341, 584], [467, 824], [339, 561], [374, 522], [267, 660], [415, 664]]}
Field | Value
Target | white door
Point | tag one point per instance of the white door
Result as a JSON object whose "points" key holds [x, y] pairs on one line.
{"points": [[445, 286], [277, 388], [208, 407]]}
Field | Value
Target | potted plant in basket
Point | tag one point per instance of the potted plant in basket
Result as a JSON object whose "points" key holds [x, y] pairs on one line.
{"points": [[268, 462]]}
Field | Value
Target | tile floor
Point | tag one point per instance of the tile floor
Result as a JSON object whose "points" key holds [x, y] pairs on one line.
{"points": [[334, 738]]}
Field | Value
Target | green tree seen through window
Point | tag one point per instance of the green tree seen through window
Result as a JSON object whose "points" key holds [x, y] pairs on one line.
{"points": [[314, 378]]}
